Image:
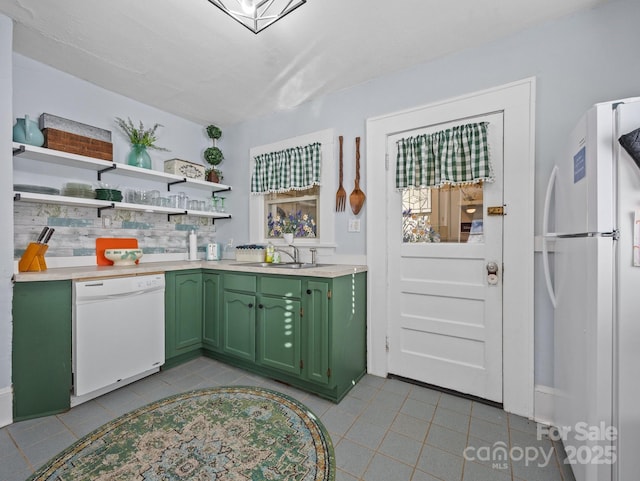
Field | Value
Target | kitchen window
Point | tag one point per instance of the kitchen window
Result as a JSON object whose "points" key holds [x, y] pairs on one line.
{"points": [[312, 208], [294, 210]]}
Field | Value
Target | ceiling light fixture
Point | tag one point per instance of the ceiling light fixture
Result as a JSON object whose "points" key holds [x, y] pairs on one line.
{"points": [[257, 15]]}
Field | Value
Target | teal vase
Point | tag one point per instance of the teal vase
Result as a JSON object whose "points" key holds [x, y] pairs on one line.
{"points": [[139, 157], [26, 131]]}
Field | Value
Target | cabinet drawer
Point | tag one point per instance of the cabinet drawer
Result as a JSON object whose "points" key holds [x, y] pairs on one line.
{"points": [[277, 286], [238, 282]]}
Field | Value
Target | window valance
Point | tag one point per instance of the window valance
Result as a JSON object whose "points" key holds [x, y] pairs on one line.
{"points": [[459, 155], [297, 168]]}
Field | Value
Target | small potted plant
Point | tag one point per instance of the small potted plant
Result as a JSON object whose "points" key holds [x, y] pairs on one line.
{"points": [[289, 228], [213, 155], [141, 139]]}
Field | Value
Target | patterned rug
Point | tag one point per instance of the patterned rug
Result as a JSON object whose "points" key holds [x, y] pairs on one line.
{"points": [[223, 434]]}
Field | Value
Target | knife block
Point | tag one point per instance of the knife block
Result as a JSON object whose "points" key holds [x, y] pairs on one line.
{"points": [[33, 258]]}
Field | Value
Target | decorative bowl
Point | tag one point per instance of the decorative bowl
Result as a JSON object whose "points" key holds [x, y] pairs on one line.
{"points": [[109, 194], [123, 257]]}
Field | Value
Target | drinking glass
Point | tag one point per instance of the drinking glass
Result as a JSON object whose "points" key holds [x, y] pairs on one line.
{"points": [[182, 200], [154, 195]]}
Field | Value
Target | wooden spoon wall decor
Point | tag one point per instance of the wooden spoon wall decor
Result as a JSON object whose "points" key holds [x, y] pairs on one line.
{"points": [[357, 197]]}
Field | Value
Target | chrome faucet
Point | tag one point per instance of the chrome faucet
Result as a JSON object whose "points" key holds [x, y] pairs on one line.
{"points": [[313, 256], [295, 256]]}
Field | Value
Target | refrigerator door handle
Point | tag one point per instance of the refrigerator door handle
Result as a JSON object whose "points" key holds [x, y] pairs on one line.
{"points": [[546, 235], [614, 234]]}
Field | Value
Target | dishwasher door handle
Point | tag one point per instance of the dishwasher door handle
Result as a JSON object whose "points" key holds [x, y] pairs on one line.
{"points": [[137, 292], [123, 295]]}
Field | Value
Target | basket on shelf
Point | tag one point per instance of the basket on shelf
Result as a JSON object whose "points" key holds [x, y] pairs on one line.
{"points": [[250, 253]]}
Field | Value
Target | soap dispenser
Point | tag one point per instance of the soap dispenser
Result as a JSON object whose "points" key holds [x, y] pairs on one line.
{"points": [[269, 251]]}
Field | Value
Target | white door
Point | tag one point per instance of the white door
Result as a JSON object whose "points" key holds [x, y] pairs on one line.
{"points": [[445, 314]]}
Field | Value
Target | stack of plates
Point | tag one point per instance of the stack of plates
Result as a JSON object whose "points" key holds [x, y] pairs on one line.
{"points": [[76, 189], [36, 189], [109, 194]]}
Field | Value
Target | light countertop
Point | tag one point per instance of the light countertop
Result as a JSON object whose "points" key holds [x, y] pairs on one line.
{"points": [[92, 272]]}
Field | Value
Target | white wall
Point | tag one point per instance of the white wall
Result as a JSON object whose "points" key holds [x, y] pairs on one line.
{"points": [[6, 219], [38, 88], [578, 60]]}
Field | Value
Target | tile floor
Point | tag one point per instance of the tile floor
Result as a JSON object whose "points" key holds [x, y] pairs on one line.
{"points": [[383, 430]]}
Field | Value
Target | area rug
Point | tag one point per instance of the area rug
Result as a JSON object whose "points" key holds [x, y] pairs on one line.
{"points": [[223, 434]]}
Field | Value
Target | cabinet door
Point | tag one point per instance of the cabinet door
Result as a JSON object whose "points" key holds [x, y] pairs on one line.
{"points": [[41, 362], [211, 314], [279, 334], [183, 312], [316, 332], [239, 329]]}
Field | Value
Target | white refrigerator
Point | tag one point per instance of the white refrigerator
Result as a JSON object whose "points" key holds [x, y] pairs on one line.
{"points": [[593, 205]]}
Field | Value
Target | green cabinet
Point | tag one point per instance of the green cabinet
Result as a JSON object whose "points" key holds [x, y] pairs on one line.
{"points": [[261, 320], [41, 354], [278, 324], [211, 291], [183, 315], [347, 323], [238, 316], [239, 325], [316, 331], [305, 331]]}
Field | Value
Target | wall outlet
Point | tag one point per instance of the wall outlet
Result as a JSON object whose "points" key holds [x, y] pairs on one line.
{"points": [[106, 221], [354, 225]]}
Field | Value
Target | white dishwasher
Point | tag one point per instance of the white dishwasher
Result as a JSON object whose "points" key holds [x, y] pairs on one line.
{"points": [[118, 333]]}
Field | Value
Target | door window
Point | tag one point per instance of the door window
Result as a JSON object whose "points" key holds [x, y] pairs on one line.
{"points": [[445, 214]]}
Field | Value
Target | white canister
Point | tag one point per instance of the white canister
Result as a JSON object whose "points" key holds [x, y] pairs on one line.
{"points": [[193, 246]]}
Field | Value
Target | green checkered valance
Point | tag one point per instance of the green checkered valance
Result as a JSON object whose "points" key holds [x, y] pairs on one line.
{"points": [[297, 168], [459, 155]]}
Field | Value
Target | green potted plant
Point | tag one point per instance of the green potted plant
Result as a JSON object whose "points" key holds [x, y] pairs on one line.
{"points": [[141, 139], [213, 155]]}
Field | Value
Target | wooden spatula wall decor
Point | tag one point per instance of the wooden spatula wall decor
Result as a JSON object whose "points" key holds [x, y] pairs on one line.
{"points": [[357, 197], [341, 195]]}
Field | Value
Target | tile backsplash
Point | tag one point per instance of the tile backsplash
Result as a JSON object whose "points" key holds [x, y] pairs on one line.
{"points": [[77, 228]]}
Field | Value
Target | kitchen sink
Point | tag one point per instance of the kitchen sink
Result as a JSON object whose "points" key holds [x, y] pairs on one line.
{"points": [[282, 265]]}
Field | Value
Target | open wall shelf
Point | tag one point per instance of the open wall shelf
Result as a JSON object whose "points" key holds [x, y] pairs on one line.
{"points": [[104, 168]]}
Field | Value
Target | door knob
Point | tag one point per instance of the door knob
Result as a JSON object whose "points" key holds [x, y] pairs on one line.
{"points": [[492, 273]]}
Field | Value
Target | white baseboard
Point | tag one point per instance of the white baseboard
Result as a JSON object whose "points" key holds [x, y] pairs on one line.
{"points": [[6, 406], [543, 404]]}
